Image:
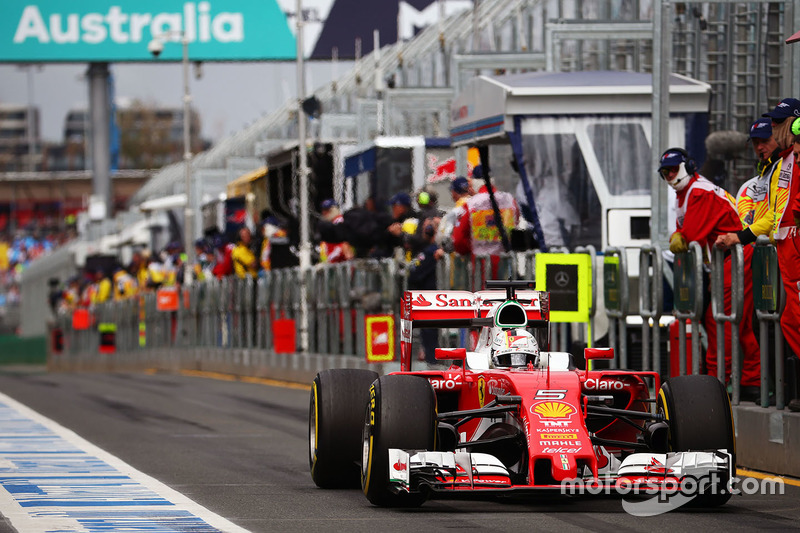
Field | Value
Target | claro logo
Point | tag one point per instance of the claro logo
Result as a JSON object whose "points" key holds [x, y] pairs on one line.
{"points": [[121, 27], [602, 384], [449, 381]]}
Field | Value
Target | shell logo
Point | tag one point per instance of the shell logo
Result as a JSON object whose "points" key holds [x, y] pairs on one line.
{"points": [[553, 410]]}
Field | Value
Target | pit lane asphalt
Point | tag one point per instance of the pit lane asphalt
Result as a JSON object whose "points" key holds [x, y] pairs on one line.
{"points": [[240, 449]]}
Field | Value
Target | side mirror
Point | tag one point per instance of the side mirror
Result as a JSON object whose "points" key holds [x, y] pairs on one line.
{"points": [[444, 354], [598, 353]]}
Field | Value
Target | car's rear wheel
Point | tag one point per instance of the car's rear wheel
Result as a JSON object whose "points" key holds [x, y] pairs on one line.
{"points": [[699, 416], [401, 413], [335, 421]]}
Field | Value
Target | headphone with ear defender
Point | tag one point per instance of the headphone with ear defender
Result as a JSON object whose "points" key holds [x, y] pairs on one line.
{"points": [[796, 126], [688, 162]]}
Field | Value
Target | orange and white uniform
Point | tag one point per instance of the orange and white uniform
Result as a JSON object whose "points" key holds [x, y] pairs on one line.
{"points": [[705, 211]]}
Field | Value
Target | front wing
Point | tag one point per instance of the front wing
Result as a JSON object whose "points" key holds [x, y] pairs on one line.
{"points": [[639, 473]]}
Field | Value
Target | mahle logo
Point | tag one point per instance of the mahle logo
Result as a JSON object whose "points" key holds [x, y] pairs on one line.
{"points": [[123, 27]]}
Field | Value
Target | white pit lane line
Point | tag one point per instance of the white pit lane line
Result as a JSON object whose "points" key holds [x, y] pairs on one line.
{"points": [[52, 480]]}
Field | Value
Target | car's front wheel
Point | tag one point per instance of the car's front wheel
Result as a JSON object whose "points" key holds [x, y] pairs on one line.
{"points": [[335, 420], [699, 416], [401, 413]]}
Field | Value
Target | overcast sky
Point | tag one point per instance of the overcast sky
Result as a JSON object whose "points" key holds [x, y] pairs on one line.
{"points": [[228, 97]]}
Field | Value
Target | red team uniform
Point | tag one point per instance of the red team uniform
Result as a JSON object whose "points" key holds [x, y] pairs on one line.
{"points": [[704, 212]]}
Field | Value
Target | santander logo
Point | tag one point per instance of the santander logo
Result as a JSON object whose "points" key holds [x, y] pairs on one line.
{"points": [[400, 466], [420, 301]]}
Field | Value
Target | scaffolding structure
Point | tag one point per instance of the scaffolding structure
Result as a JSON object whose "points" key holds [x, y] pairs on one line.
{"points": [[406, 88]]}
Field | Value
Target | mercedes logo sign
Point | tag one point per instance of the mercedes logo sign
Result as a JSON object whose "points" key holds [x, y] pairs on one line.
{"points": [[561, 279]]}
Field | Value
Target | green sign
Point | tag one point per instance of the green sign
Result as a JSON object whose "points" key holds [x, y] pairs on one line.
{"points": [[100, 31], [683, 283], [611, 282], [765, 278], [567, 277]]}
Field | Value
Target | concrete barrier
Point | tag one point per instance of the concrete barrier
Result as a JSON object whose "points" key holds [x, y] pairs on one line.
{"points": [[767, 439]]}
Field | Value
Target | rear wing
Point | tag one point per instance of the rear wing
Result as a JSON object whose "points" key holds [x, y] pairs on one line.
{"points": [[460, 309], [464, 309]]}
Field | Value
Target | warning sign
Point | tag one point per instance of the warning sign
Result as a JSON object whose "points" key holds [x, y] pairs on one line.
{"points": [[567, 277], [379, 338], [167, 299]]}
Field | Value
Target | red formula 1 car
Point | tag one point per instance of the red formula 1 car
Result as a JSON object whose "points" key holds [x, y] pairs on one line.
{"points": [[510, 417]]}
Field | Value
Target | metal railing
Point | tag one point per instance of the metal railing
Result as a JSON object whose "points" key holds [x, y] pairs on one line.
{"points": [[734, 317], [651, 303], [615, 281], [688, 302], [234, 318], [769, 301]]}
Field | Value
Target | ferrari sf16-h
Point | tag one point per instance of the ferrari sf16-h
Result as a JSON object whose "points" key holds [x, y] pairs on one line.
{"points": [[510, 417]]}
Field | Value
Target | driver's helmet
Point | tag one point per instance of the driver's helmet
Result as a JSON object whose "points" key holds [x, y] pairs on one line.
{"points": [[514, 348]]}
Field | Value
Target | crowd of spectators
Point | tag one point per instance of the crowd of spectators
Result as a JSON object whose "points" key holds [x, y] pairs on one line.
{"points": [[413, 229], [405, 228], [17, 251], [409, 227]]}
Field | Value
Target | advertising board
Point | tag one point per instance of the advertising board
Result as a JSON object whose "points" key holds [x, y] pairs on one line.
{"points": [[96, 31]]}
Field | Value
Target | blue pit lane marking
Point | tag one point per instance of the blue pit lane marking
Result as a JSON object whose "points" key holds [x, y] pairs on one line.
{"points": [[52, 480]]}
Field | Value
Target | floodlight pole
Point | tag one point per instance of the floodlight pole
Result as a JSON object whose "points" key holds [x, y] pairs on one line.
{"points": [[302, 170], [188, 212]]}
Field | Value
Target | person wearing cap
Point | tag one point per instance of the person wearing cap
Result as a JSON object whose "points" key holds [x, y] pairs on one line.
{"points": [[138, 267], [400, 204], [223, 265], [172, 264], [422, 276], [704, 212], [71, 297], [404, 223], [415, 240], [752, 200], [125, 286], [102, 288], [242, 257], [276, 246], [428, 202], [785, 200], [333, 252], [460, 192], [203, 260], [476, 232]]}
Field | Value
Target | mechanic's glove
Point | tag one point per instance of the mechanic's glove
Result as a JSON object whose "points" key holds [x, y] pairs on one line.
{"points": [[678, 244]]}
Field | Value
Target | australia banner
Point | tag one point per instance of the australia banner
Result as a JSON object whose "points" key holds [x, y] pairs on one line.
{"points": [[49, 31]]}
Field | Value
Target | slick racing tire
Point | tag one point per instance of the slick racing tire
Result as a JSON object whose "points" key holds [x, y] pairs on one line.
{"points": [[699, 416], [335, 422], [401, 413]]}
